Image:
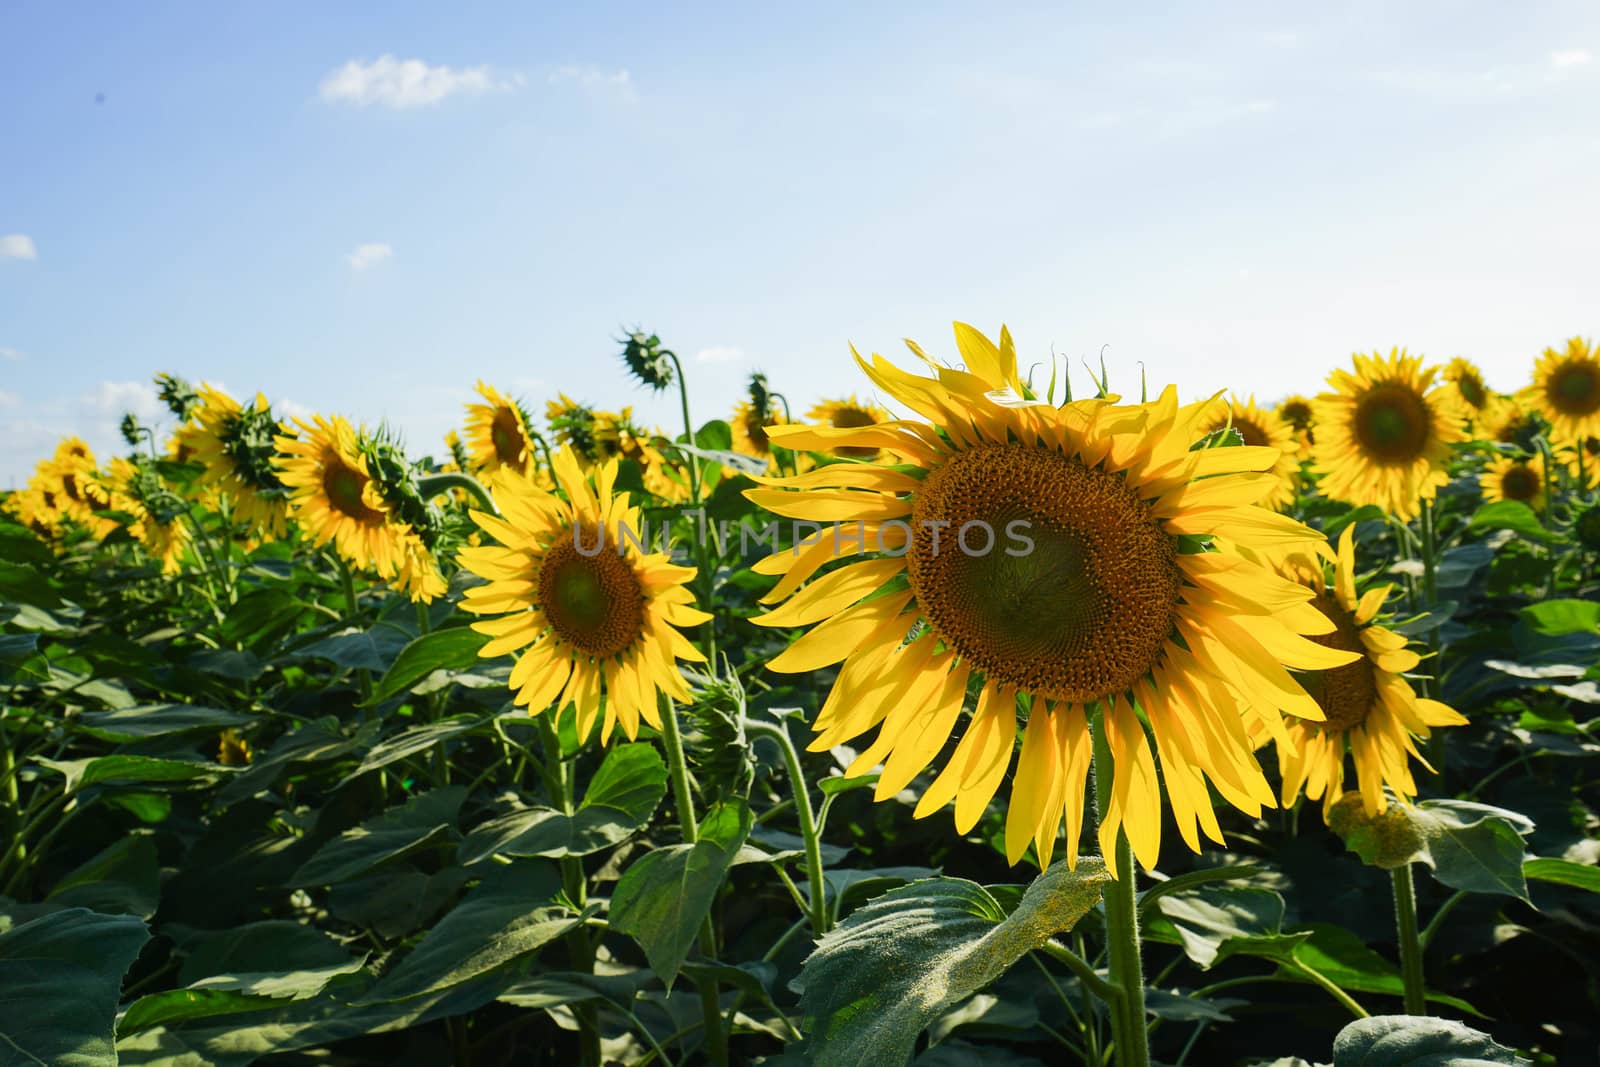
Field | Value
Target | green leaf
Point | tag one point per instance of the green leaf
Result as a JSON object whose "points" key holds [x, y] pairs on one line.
{"points": [[159, 720], [1204, 919], [1563, 872], [1556, 617], [1342, 957], [422, 820], [123, 879], [60, 980], [1515, 516], [1415, 1041], [178, 1005], [274, 958], [621, 798], [1475, 847], [393, 903], [105, 769], [662, 899], [412, 741], [896, 964], [508, 915], [452, 649], [353, 649], [1190, 879]]}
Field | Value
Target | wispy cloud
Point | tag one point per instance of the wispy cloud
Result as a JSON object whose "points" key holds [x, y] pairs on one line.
{"points": [[10, 355], [18, 246], [368, 254], [719, 354], [407, 83], [9, 401], [118, 398], [595, 79], [289, 409], [1570, 57]]}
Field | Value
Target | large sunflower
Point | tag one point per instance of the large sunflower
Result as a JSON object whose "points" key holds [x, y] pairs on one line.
{"points": [[1260, 428], [498, 434], [1566, 389], [591, 613], [234, 446], [1061, 561], [335, 497], [1384, 436], [1514, 478], [1463, 383], [845, 414], [1370, 710]]}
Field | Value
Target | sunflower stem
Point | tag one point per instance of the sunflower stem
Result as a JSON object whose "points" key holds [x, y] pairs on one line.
{"points": [[678, 771], [1405, 916], [580, 949], [818, 909], [688, 425], [437, 484], [1122, 923], [348, 578]]}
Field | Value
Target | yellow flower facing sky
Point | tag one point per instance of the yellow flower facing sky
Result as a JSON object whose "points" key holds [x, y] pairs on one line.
{"points": [[586, 610], [1514, 478], [1462, 381], [1384, 433], [1114, 604], [1566, 389], [1298, 412], [1371, 711], [497, 433]]}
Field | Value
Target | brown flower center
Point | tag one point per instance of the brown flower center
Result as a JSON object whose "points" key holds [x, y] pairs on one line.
{"points": [[849, 418], [592, 598], [1045, 574], [506, 434], [1392, 424], [1345, 694], [1574, 388], [344, 486], [1520, 483]]}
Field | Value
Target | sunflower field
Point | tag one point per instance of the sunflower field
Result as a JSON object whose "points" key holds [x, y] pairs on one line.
{"points": [[979, 718]]}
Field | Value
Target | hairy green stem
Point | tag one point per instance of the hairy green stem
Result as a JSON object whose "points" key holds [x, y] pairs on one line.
{"points": [[808, 824], [1405, 918], [1122, 924], [579, 947], [436, 484]]}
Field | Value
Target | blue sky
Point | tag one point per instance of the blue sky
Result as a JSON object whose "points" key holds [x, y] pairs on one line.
{"points": [[1233, 195]]}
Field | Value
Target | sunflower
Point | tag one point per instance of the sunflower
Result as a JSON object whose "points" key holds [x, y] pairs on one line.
{"points": [[1260, 428], [335, 497], [1369, 709], [616, 436], [591, 613], [1060, 560], [1462, 381], [233, 749], [1566, 389], [845, 414], [750, 428], [157, 512], [1514, 478], [233, 444], [1297, 411], [1383, 437], [573, 425], [1509, 420], [1582, 459], [498, 434]]}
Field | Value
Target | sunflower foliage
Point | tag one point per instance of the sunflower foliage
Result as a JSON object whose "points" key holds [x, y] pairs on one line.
{"points": [[311, 751]]}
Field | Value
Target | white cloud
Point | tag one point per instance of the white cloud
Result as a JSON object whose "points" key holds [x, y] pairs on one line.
{"points": [[288, 409], [18, 246], [1570, 57], [408, 83], [8, 401], [366, 255], [10, 354], [593, 79], [118, 398], [719, 354]]}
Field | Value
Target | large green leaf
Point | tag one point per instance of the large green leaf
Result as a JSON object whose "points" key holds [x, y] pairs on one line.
{"points": [[272, 958], [662, 899], [1212, 922], [896, 964], [1475, 847], [425, 819], [318, 741], [1563, 872], [179, 1005], [621, 798], [452, 649], [412, 741], [1557, 617], [510, 914], [101, 770], [353, 649], [123, 879], [1515, 516], [60, 980], [158, 720], [1416, 1041]]}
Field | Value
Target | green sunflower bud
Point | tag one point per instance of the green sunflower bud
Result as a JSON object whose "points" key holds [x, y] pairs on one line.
{"points": [[647, 360]]}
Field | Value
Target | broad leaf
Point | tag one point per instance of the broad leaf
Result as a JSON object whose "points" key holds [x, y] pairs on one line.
{"points": [[1415, 1041], [1469, 846], [273, 958], [1563, 872], [124, 879], [159, 720], [452, 649], [425, 819], [1515, 516], [898, 963]]}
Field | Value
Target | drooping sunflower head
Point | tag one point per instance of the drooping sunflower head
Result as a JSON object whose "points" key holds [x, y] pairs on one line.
{"points": [[1369, 709], [571, 590], [574, 426], [1066, 562], [1566, 389], [849, 413], [498, 434], [235, 446], [177, 394], [647, 360], [1519, 478], [1384, 433], [158, 513], [1259, 428], [1463, 383], [750, 425]]}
